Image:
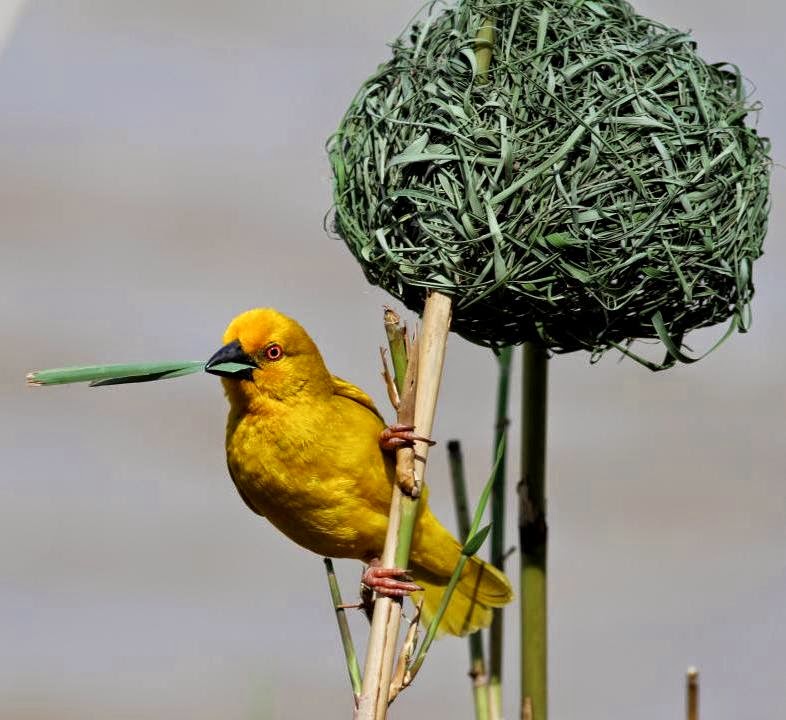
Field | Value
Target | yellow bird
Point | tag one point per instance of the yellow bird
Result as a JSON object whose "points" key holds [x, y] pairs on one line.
{"points": [[303, 448]]}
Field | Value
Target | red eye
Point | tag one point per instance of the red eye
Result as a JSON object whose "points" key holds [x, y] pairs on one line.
{"points": [[274, 352]]}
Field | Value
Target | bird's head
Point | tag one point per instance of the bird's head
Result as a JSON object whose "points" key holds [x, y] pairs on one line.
{"points": [[267, 353]]}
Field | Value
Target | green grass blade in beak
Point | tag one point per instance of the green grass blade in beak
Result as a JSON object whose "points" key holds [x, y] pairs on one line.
{"points": [[98, 375], [231, 361]]}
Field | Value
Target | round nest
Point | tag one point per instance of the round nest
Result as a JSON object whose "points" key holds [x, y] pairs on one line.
{"points": [[598, 184]]}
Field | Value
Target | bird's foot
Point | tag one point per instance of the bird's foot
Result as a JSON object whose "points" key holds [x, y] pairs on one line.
{"points": [[390, 582], [397, 436]]}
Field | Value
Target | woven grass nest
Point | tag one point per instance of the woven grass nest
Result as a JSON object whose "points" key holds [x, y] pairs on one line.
{"points": [[597, 185]]}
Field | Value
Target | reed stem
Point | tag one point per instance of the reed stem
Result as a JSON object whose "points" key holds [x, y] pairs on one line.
{"points": [[484, 47], [692, 694], [397, 343], [496, 631], [477, 661], [533, 533], [353, 667], [426, 369]]}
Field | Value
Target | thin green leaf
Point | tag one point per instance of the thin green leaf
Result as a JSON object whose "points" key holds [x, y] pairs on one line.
{"points": [[597, 8], [474, 534], [562, 239], [476, 541], [500, 269], [353, 667], [107, 374]]}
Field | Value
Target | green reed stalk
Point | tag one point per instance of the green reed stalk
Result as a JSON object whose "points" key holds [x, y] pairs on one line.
{"points": [[496, 631], [477, 669], [353, 667], [533, 534]]}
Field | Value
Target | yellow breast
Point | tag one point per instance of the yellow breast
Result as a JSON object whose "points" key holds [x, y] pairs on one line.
{"points": [[316, 472]]}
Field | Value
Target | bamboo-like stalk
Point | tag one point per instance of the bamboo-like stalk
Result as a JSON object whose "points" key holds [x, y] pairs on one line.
{"points": [[496, 631], [484, 47], [406, 499], [490, 696], [353, 667], [477, 661], [397, 343], [458, 479], [430, 359], [387, 616], [533, 534], [692, 694], [387, 611]]}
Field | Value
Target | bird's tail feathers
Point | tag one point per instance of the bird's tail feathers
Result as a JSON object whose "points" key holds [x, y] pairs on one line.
{"points": [[481, 588]]}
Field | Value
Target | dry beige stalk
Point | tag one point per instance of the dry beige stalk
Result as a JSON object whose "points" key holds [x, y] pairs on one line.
{"points": [[401, 675], [526, 708], [692, 694], [429, 354], [390, 383]]}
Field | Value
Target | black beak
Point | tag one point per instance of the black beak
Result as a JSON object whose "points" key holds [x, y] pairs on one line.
{"points": [[231, 362]]}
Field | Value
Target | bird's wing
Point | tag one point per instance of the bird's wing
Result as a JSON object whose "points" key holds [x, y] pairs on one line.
{"points": [[352, 392]]}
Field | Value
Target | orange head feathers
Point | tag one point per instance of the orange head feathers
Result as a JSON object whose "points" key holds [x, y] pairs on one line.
{"points": [[267, 353]]}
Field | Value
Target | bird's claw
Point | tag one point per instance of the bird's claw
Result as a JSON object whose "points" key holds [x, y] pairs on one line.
{"points": [[390, 582], [397, 436]]}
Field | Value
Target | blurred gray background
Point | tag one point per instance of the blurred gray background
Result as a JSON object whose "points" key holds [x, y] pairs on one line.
{"points": [[162, 168]]}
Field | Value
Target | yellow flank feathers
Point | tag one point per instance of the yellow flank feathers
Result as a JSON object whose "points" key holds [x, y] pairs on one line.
{"points": [[303, 451]]}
